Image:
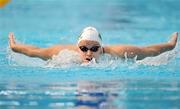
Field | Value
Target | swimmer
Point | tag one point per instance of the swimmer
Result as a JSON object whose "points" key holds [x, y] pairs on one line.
{"points": [[89, 46]]}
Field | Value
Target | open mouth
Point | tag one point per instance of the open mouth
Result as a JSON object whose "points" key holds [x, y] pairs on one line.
{"points": [[88, 59]]}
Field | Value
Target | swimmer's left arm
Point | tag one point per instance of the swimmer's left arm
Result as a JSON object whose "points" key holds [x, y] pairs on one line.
{"points": [[130, 51], [124, 51]]}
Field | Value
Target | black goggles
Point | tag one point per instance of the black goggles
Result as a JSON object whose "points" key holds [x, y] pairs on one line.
{"points": [[93, 49]]}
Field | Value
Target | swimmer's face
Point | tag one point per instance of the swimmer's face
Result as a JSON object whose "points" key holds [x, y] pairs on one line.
{"points": [[89, 50]]}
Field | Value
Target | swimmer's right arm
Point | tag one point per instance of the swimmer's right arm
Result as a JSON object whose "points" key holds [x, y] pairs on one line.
{"points": [[32, 51]]}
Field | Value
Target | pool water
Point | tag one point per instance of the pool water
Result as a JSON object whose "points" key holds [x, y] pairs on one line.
{"points": [[31, 83]]}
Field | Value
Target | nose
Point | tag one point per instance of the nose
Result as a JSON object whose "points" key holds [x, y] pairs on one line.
{"points": [[89, 53]]}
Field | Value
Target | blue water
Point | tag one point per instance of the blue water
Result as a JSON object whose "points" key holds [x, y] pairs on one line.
{"points": [[27, 83]]}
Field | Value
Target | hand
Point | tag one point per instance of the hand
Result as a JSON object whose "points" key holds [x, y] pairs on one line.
{"points": [[11, 40], [174, 38]]}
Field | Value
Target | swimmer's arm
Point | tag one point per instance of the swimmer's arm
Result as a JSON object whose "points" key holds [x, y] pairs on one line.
{"points": [[32, 51], [130, 51]]}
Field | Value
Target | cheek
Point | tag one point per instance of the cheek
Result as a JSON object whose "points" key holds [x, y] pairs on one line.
{"points": [[97, 54], [82, 54]]}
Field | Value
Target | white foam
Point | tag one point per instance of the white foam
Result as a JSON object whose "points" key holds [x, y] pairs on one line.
{"points": [[17, 59], [68, 58], [65, 58], [161, 59], [104, 61]]}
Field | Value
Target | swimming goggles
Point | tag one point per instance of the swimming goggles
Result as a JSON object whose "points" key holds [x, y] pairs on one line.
{"points": [[93, 49]]}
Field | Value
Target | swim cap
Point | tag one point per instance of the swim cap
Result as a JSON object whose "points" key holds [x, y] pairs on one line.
{"points": [[90, 33]]}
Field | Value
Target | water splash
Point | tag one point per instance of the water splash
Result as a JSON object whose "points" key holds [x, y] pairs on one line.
{"points": [[161, 59], [68, 58], [65, 58], [16, 59]]}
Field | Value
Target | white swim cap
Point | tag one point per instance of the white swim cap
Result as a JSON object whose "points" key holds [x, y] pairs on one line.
{"points": [[90, 33]]}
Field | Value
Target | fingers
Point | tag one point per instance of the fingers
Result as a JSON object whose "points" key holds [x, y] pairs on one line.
{"points": [[11, 35], [176, 33], [11, 39], [173, 40], [174, 37]]}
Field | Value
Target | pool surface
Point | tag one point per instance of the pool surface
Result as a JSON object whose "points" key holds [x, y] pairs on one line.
{"points": [[31, 83]]}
